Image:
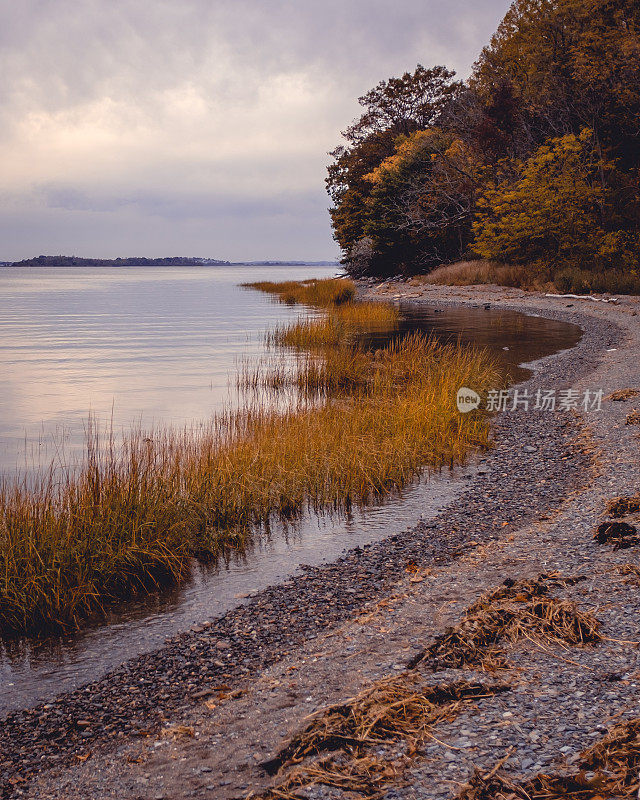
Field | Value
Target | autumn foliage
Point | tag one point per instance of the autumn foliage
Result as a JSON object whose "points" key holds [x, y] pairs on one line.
{"points": [[534, 161]]}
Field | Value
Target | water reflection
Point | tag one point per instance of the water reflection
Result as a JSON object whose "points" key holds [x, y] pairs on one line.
{"points": [[36, 669], [156, 346]]}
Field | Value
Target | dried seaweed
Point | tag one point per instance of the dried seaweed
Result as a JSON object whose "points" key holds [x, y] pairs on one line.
{"points": [[619, 754], [613, 765], [367, 776], [515, 610], [403, 707], [542, 787], [398, 707], [623, 394], [393, 708], [631, 571], [620, 534], [621, 506]]}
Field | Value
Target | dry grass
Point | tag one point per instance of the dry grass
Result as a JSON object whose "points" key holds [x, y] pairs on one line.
{"points": [[339, 370], [399, 707], [468, 273], [615, 762], [622, 394], [517, 610], [131, 517], [342, 319], [621, 506], [584, 281], [367, 776], [538, 276], [320, 293], [633, 418], [542, 787], [340, 326], [177, 732], [631, 572]]}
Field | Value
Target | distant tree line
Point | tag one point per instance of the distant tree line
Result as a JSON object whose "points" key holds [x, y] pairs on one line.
{"points": [[534, 160], [76, 261]]}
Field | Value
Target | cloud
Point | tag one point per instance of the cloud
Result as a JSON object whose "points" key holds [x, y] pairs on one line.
{"points": [[180, 108]]}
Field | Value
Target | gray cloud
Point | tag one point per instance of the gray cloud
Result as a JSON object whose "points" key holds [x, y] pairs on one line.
{"points": [[211, 116]]}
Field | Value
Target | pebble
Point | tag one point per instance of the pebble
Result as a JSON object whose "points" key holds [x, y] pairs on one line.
{"points": [[288, 614]]}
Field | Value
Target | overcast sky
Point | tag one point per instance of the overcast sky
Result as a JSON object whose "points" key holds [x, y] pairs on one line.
{"points": [[197, 127]]}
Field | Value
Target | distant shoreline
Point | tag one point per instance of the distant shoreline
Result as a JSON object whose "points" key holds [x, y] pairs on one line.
{"points": [[173, 261]]}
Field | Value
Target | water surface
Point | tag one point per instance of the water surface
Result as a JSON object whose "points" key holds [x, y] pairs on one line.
{"points": [[163, 346], [127, 344]]}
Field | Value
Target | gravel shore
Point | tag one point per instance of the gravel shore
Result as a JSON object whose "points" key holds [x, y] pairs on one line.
{"points": [[160, 726]]}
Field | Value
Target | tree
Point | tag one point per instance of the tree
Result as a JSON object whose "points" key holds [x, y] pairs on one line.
{"points": [[393, 108], [555, 211], [571, 64], [403, 105], [421, 201], [541, 148], [348, 188]]}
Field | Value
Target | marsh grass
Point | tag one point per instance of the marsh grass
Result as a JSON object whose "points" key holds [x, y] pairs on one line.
{"points": [[469, 273], [131, 517], [536, 276], [340, 326], [320, 293]]}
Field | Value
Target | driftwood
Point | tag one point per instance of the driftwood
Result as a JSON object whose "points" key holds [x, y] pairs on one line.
{"points": [[613, 300]]}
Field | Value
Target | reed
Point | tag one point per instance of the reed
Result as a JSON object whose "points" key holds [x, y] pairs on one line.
{"points": [[340, 325], [131, 517], [320, 293], [343, 319]]}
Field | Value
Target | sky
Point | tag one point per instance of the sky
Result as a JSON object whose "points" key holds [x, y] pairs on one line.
{"points": [[197, 127]]}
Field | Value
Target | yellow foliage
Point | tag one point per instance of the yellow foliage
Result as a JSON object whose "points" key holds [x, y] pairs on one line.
{"points": [[553, 209]]}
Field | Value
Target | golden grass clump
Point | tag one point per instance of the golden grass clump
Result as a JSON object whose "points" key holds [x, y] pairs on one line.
{"points": [[340, 370], [516, 610], [468, 273], [341, 320], [615, 762], [130, 518], [340, 325], [621, 506], [321, 293]]}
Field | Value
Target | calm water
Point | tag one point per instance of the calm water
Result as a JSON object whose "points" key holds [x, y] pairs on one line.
{"points": [[162, 346], [138, 344]]}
